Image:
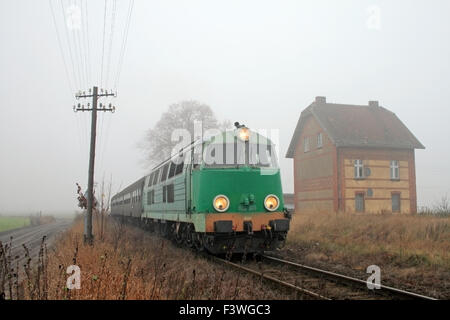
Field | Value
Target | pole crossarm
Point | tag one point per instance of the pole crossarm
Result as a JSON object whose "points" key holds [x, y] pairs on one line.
{"points": [[79, 96]]}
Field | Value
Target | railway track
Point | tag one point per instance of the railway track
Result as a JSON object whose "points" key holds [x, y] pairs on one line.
{"points": [[317, 283]]}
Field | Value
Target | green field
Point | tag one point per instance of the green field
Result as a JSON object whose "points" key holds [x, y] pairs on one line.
{"points": [[9, 223]]}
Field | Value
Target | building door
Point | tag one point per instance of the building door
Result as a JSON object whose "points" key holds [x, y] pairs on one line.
{"points": [[359, 202], [396, 202]]}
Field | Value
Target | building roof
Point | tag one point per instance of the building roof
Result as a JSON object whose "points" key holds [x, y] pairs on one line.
{"points": [[356, 126]]}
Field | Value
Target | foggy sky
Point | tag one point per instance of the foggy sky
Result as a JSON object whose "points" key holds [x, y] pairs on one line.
{"points": [[257, 62]]}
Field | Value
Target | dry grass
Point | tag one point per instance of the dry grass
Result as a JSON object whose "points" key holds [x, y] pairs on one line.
{"points": [[407, 240], [130, 263], [413, 251]]}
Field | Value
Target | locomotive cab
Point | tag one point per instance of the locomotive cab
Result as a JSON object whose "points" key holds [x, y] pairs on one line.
{"points": [[237, 186]]}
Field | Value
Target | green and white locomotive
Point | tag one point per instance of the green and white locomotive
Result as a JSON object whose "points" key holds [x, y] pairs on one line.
{"points": [[221, 194]]}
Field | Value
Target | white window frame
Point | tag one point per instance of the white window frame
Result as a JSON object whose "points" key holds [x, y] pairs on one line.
{"points": [[306, 144], [395, 170], [358, 169], [319, 140]]}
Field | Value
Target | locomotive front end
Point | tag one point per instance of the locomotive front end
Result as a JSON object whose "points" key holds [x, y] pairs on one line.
{"points": [[237, 189]]}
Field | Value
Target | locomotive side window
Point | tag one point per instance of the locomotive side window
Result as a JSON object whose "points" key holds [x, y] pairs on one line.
{"points": [[155, 177], [164, 172], [150, 180], [151, 197], [179, 168], [170, 193], [172, 169]]}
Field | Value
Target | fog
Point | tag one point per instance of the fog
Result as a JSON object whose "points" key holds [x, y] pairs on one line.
{"points": [[257, 62]]}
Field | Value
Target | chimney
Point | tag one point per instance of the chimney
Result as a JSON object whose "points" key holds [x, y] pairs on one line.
{"points": [[321, 100], [373, 104]]}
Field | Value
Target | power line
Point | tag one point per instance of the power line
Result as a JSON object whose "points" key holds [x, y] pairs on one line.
{"points": [[77, 83], [69, 81], [88, 43], [125, 39], [84, 39], [103, 49], [113, 19], [80, 50]]}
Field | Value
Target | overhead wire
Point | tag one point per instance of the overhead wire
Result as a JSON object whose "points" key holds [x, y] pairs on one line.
{"points": [[77, 83], [103, 47], [124, 43]]}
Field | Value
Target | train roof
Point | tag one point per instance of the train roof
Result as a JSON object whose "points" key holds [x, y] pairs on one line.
{"points": [[130, 188]]}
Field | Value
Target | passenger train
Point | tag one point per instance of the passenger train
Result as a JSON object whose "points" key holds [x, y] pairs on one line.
{"points": [[221, 194]]}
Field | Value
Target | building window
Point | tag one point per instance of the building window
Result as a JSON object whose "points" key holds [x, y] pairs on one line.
{"points": [[359, 202], [319, 140], [396, 202], [306, 144], [395, 171], [359, 169]]}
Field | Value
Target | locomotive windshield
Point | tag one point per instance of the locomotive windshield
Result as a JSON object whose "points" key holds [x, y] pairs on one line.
{"points": [[239, 154]]}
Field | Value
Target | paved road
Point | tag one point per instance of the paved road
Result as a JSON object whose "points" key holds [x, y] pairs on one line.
{"points": [[32, 237]]}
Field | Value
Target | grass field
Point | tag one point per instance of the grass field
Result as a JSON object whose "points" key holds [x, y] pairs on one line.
{"points": [[409, 249], [129, 263], [9, 223]]}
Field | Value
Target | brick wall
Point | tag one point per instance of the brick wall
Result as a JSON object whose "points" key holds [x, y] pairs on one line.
{"points": [[314, 172], [379, 180]]}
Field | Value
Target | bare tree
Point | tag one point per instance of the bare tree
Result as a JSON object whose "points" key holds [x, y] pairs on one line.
{"points": [[158, 143]]}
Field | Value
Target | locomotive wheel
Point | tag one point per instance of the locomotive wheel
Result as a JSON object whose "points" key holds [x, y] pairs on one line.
{"points": [[179, 236], [198, 241], [189, 236]]}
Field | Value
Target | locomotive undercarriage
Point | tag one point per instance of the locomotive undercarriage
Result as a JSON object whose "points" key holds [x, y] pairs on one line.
{"points": [[228, 243]]}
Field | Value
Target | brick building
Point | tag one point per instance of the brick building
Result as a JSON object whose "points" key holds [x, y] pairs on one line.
{"points": [[350, 158]]}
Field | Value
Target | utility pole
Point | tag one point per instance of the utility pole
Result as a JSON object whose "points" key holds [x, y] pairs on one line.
{"points": [[88, 236]]}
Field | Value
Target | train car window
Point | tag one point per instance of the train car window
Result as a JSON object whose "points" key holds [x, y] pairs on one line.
{"points": [[164, 193], [150, 180], [173, 165], [155, 177], [151, 197], [164, 172], [170, 193], [179, 168]]}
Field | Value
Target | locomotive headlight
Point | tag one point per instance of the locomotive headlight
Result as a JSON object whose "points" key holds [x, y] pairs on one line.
{"points": [[221, 203], [244, 134], [271, 202]]}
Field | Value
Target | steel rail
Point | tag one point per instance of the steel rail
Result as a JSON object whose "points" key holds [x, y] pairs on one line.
{"points": [[275, 280], [347, 278]]}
